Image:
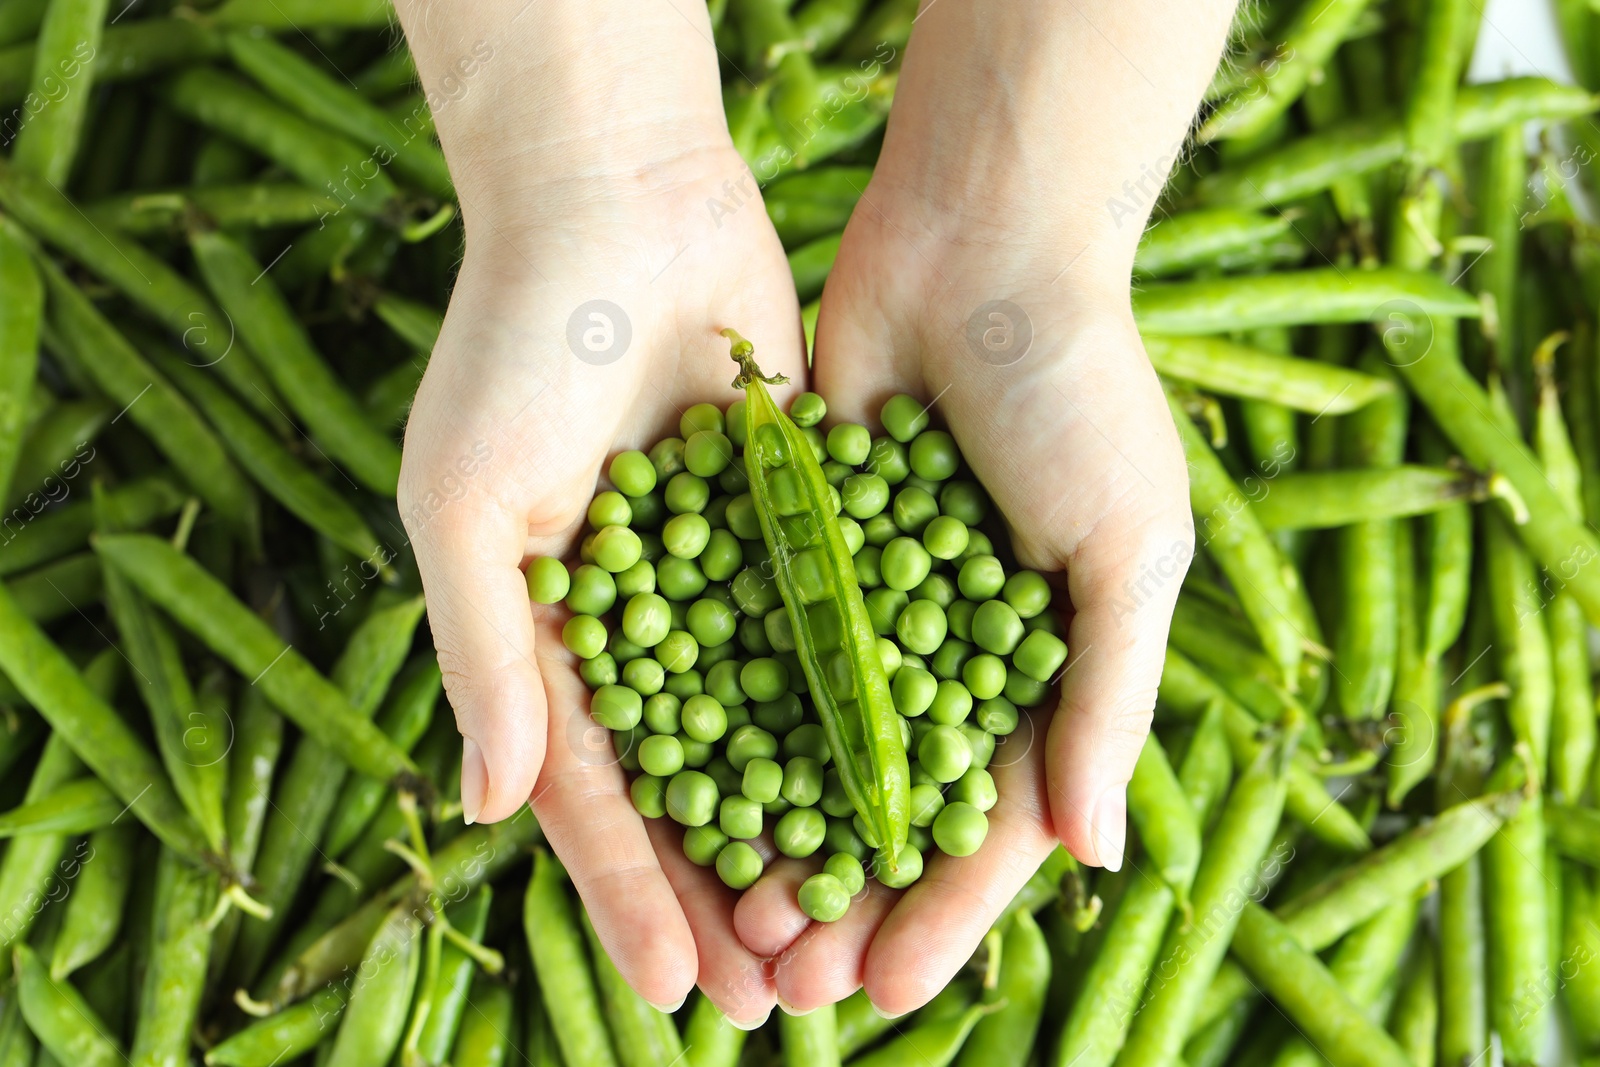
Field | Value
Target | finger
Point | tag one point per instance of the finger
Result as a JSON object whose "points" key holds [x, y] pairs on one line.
{"points": [[732, 978], [824, 964], [1116, 644], [583, 804], [768, 918], [942, 918], [468, 553]]}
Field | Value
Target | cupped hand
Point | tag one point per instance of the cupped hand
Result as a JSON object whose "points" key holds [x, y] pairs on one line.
{"points": [[1032, 358], [584, 322]]}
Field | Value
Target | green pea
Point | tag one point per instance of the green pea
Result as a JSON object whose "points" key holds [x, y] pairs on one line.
{"points": [[624, 650], [548, 580], [644, 676], [593, 592], [742, 520], [661, 755], [704, 718], [702, 844], [732, 481], [680, 614], [918, 775], [584, 636], [666, 456], [753, 638], [687, 494], [802, 781], [888, 460], [739, 865], [1027, 592], [824, 898], [849, 443], [890, 656], [716, 513], [1046, 621], [842, 837], [937, 588], [777, 808], [646, 619], [1040, 655], [868, 564], [818, 443], [903, 417], [696, 754], [981, 578], [649, 795], [848, 869], [913, 690], [960, 829], [944, 753], [748, 743], [691, 798], [921, 627], [934, 455], [679, 579], [779, 715], [755, 593], [965, 501], [609, 508], [722, 557], [711, 655], [911, 659], [722, 682], [686, 536], [952, 703], [984, 676], [996, 715], [733, 422], [946, 663], [920, 838], [905, 563], [854, 536], [764, 678], [663, 714], [914, 509], [800, 832], [996, 627], [707, 453], [685, 684], [926, 802], [835, 801], [1023, 691], [740, 817], [835, 473], [598, 671], [879, 530], [639, 578], [976, 787], [711, 621], [649, 511], [979, 741], [808, 409], [959, 615], [729, 781], [762, 781], [945, 537], [626, 743], [701, 417], [677, 651], [616, 707], [978, 544], [908, 868], [632, 473], [864, 495]]}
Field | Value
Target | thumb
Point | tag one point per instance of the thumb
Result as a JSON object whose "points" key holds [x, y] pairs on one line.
{"points": [[1123, 579]]}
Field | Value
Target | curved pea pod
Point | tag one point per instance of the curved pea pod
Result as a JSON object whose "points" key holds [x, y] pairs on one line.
{"points": [[20, 317], [1183, 242], [1517, 925], [1006, 1037], [447, 1002], [278, 16], [205, 607], [50, 682], [416, 324], [250, 205], [710, 1040], [128, 51], [1207, 768], [404, 719], [257, 744], [180, 945], [810, 1040], [17, 1044], [67, 57], [60, 1018], [1167, 825], [1414, 1022], [644, 1035], [833, 634], [284, 1035], [562, 962], [134, 505], [57, 446], [1309, 500], [93, 916], [935, 1043], [1292, 298], [486, 1037], [268, 324], [29, 871], [380, 998], [1219, 365], [74, 808]]}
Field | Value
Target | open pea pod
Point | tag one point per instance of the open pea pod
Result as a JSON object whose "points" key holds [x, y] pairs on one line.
{"points": [[833, 635]]}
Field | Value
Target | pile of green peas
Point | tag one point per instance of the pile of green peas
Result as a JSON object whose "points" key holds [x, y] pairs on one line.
{"points": [[684, 640]]}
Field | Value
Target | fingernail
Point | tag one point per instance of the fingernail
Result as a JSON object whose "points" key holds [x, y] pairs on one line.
{"points": [[880, 1013], [669, 1008], [1110, 827], [791, 1010], [758, 1024], [474, 780]]}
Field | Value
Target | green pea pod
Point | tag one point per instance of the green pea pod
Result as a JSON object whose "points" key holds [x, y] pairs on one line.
{"points": [[1524, 651], [57, 446], [1228, 874], [28, 870], [1414, 711], [1312, 163], [175, 977], [833, 634], [257, 744], [130, 51], [643, 1034], [20, 20], [1504, 181], [447, 1001], [814, 203], [17, 1044], [1414, 1021], [404, 719], [66, 59], [310, 784], [1517, 928], [1167, 825], [710, 1040], [60, 1018], [1463, 998], [1207, 767], [1189, 240], [416, 324], [20, 317], [133, 506], [485, 1032], [205, 607], [387, 401], [93, 916], [928, 1044], [1575, 831], [279, 16], [97, 733], [810, 264], [1292, 298], [316, 155], [882, 34], [562, 963], [330, 102], [1580, 955], [392, 72], [57, 589], [273, 467], [284, 1035], [251, 205], [313, 392], [810, 1040], [823, 23], [1006, 1037], [74, 808], [380, 998]]}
